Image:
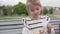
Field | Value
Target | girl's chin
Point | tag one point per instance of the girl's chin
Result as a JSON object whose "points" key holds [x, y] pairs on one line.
{"points": [[35, 16]]}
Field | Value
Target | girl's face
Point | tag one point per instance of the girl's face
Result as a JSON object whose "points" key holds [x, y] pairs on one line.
{"points": [[34, 11]]}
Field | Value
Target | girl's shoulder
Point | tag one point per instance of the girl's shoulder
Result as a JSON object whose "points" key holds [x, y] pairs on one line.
{"points": [[26, 19], [46, 18], [42, 17]]}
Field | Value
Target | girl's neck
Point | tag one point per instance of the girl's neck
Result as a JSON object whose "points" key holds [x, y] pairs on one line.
{"points": [[35, 18]]}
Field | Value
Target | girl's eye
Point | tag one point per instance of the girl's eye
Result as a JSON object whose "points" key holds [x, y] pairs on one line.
{"points": [[37, 8]]}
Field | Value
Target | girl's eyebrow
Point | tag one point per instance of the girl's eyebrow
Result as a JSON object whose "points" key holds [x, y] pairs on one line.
{"points": [[32, 8]]}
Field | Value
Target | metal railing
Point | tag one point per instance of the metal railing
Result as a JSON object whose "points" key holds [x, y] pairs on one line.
{"points": [[15, 26]]}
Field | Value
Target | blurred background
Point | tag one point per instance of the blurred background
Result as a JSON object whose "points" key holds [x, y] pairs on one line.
{"points": [[18, 8], [11, 12]]}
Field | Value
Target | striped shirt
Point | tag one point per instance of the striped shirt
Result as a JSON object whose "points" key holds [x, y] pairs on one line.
{"points": [[36, 25]]}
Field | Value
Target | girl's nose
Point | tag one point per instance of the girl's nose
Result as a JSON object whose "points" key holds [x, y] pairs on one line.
{"points": [[35, 11]]}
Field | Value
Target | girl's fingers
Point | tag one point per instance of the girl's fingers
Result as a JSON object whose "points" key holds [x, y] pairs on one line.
{"points": [[41, 31]]}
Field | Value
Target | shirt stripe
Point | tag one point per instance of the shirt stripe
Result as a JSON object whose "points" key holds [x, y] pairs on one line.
{"points": [[37, 27], [34, 23]]}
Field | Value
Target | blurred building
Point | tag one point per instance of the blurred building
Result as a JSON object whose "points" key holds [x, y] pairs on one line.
{"points": [[56, 11], [1, 11]]}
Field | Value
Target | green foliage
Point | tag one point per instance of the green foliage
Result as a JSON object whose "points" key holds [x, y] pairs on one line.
{"points": [[20, 9], [45, 11], [7, 11], [50, 10]]}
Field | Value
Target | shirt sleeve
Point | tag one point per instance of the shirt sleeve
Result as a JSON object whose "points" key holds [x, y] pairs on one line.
{"points": [[47, 19], [25, 24]]}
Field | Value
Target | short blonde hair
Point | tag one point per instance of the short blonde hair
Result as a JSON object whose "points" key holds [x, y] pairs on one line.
{"points": [[32, 3]]}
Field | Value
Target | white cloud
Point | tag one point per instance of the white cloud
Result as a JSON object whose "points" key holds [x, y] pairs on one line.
{"points": [[43, 2], [9, 2], [51, 3]]}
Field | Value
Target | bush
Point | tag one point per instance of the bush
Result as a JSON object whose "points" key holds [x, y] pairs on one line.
{"points": [[7, 11], [20, 9], [50, 10], [45, 11]]}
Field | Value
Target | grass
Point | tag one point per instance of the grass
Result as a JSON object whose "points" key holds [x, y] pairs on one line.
{"points": [[51, 16], [22, 16], [9, 17]]}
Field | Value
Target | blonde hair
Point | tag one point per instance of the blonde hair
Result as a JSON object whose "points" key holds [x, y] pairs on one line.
{"points": [[32, 2]]}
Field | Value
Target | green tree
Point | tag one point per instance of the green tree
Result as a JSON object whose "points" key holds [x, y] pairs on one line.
{"points": [[20, 9], [50, 10], [45, 11], [7, 11]]}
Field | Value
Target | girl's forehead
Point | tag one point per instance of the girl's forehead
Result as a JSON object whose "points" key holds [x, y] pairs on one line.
{"points": [[33, 7]]}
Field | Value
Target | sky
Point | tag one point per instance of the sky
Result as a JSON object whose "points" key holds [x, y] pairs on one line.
{"points": [[53, 3]]}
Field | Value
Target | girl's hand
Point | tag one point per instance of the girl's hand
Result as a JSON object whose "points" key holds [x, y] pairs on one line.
{"points": [[49, 28], [41, 31]]}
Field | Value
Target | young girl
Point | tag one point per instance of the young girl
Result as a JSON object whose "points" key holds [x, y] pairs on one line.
{"points": [[35, 23]]}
